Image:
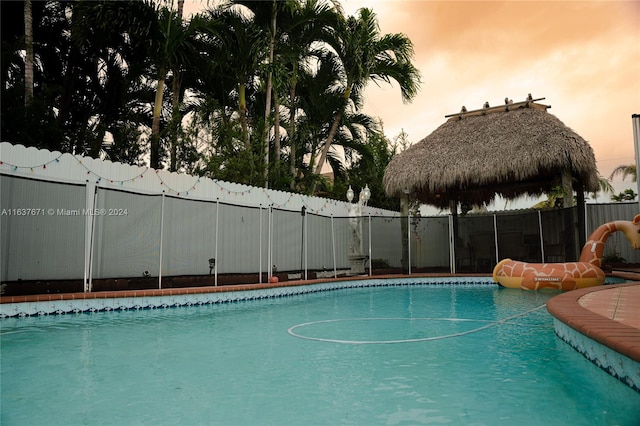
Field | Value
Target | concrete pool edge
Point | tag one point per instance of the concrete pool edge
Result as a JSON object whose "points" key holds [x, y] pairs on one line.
{"points": [[68, 303], [581, 322]]}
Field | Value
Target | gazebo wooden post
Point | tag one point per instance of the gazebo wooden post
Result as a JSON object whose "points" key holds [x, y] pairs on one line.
{"points": [[582, 220], [577, 234], [567, 188]]}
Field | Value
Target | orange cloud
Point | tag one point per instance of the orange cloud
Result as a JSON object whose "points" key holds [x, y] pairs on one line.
{"points": [[583, 56]]}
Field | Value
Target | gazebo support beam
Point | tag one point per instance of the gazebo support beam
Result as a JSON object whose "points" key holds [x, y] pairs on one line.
{"points": [[567, 188], [582, 220]]}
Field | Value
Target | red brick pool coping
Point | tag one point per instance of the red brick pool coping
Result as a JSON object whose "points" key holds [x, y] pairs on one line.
{"points": [[608, 314], [204, 289]]}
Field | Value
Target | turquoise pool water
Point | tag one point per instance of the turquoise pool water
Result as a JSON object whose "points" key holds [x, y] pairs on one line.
{"points": [[407, 355]]}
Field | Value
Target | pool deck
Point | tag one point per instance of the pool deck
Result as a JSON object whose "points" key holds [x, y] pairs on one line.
{"points": [[610, 314], [603, 324]]}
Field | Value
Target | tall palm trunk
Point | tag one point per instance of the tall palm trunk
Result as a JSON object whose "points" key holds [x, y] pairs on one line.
{"points": [[176, 119], [292, 127], [332, 134], [175, 105], [276, 135], [28, 60], [267, 109], [155, 124], [242, 109], [327, 143], [267, 116]]}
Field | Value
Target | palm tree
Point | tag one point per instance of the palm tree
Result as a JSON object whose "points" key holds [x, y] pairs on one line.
{"points": [[626, 195], [242, 43], [306, 24], [175, 104], [318, 99], [174, 46], [605, 186], [291, 28], [625, 170], [265, 17], [224, 95], [28, 60], [112, 69], [556, 194], [366, 56]]}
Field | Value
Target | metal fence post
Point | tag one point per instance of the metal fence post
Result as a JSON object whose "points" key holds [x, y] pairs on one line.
{"points": [[495, 235], [270, 243], [635, 118], [370, 261], [306, 249], [541, 236], [161, 238], [215, 269], [90, 205], [260, 243], [409, 240], [333, 245], [303, 248], [452, 247]]}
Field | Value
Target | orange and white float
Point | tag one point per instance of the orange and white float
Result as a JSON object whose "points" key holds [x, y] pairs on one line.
{"points": [[586, 272]]}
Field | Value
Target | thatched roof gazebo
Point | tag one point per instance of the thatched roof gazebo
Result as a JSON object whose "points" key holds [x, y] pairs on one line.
{"points": [[509, 150]]}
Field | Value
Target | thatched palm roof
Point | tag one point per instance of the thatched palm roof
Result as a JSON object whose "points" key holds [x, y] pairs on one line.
{"points": [[511, 150]]}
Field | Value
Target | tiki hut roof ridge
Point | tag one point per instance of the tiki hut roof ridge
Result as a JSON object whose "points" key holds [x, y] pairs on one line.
{"points": [[508, 106], [509, 150]]}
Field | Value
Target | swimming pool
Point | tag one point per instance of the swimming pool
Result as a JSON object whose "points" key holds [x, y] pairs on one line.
{"points": [[412, 354]]}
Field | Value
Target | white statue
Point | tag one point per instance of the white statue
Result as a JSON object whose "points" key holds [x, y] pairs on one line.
{"points": [[356, 258], [355, 237]]}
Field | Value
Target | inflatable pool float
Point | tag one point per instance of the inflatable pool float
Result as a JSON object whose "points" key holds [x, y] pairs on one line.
{"points": [[586, 272]]}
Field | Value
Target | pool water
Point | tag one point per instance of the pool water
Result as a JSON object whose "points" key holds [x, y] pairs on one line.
{"points": [[421, 354]]}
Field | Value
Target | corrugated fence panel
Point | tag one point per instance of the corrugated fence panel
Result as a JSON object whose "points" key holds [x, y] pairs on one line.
{"points": [[617, 244], [42, 229], [127, 244]]}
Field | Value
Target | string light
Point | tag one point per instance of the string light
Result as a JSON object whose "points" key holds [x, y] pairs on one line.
{"points": [[222, 186]]}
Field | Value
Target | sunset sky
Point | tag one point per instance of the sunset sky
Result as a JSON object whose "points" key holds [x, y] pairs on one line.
{"points": [[583, 57]]}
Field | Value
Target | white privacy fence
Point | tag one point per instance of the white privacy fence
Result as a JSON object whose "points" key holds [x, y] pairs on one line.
{"points": [[69, 231], [67, 217], [71, 217]]}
